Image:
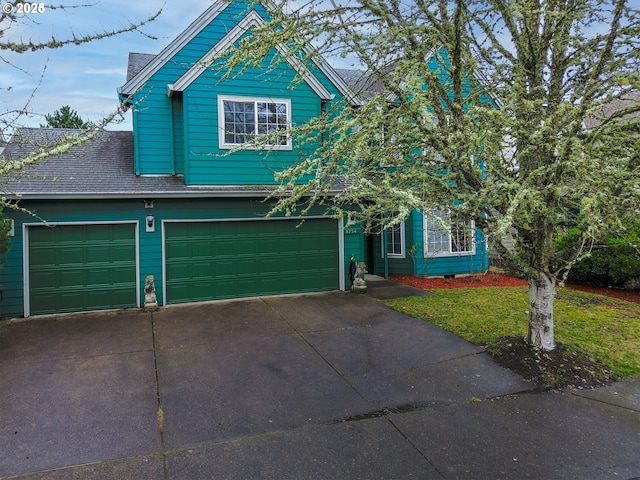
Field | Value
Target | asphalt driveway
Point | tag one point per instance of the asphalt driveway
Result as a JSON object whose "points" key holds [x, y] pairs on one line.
{"points": [[331, 386]]}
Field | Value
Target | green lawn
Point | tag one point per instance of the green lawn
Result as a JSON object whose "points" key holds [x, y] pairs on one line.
{"points": [[603, 328]]}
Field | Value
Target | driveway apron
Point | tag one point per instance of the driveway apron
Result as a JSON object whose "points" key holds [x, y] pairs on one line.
{"points": [[332, 385]]}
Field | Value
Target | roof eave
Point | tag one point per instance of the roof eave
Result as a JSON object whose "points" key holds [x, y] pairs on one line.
{"points": [[146, 195]]}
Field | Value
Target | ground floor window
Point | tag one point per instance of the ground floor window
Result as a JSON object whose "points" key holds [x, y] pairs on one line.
{"points": [[446, 234], [394, 236]]}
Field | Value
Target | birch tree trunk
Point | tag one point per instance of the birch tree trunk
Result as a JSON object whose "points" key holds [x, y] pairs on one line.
{"points": [[542, 291]]}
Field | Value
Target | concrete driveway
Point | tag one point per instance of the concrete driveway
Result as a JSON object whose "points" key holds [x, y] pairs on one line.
{"points": [[326, 386]]}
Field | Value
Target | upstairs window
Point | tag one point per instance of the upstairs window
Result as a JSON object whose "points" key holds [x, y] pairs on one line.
{"points": [[445, 235], [244, 119]]}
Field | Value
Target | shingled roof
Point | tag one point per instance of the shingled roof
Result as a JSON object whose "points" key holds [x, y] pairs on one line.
{"points": [[629, 100], [100, 168], [137, 61]]}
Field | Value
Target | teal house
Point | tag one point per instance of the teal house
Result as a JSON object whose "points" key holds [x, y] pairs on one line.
{"points": [[174, 198]]}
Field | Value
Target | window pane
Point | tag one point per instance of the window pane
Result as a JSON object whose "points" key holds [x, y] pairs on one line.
{"points": [[461, 238], [272, 118], [447, 236], [239, 121], [437, 233], [394, 239]]}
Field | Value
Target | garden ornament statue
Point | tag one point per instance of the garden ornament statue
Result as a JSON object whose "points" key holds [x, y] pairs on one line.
{"points": [[150, 300], [359, 284]]}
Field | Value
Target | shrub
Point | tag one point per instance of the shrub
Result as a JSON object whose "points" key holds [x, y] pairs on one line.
{"points": [[614, 263]]}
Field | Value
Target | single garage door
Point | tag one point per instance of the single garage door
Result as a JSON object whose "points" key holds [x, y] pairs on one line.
{"points": [[82, 267], [230, 259]]}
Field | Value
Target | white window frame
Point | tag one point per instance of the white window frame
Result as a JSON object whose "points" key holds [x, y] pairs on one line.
{"points": [[382, 242], [449, 253], [223, 144]]}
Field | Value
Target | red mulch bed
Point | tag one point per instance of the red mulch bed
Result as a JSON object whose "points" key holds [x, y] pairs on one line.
{"points": [[496, 279]]}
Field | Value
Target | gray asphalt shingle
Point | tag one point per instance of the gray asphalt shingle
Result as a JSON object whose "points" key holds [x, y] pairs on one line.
{"points": [[101, 167]]}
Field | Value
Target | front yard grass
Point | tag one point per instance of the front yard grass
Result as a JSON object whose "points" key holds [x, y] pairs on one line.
{"points": [[587, 326]]}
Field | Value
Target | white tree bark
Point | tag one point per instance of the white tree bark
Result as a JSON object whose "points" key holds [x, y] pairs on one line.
{"points": [[542, 291]]}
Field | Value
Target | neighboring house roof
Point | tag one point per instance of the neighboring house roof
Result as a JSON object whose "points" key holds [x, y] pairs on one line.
{"points": [[629, 100], [138, 74], [100, 168]]}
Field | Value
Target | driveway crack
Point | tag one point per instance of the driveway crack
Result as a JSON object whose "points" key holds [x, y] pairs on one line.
{"points": [[159, 409]]}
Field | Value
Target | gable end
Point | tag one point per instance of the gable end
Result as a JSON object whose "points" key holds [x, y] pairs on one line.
{"points": [[252, 20], [135, 83]]}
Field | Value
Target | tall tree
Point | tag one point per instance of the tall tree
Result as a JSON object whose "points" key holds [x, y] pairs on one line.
{"points": [[476, 106], [65, 117]]}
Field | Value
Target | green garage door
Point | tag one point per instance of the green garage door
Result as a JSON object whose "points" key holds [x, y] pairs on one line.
{"points": [[214, 260], [82, 267]]}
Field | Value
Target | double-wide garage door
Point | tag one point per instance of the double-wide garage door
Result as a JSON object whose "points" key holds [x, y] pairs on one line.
{"points": [[230, 259], [82, 267]]}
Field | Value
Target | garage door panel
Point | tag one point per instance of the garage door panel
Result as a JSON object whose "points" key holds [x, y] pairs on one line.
{"points": [[82, 267], [250, 258]]}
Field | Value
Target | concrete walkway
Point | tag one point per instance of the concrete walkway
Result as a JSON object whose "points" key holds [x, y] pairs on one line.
{"points": [[326, 386]]}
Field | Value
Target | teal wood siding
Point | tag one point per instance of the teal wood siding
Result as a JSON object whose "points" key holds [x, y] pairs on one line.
{"points": [[353, 246], [206, 163], [150, 243], [152, 107], [451, 265], [420, 265], [11, 298], [172, 139], [63, 212], [152, 136]]}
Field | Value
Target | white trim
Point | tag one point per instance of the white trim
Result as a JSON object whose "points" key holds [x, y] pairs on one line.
{"points": [[341, 268], [425, 238], [252, 20], [402, 242], [234, 98], [26, 259], [134, 84], [337, 80]]}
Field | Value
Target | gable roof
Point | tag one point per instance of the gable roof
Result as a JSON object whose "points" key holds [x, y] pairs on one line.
{"points": [[99, 168], [138, 74], [137, 81], [252, 20]]}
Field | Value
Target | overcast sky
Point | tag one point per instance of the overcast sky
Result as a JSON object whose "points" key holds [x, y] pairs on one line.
{"points": [[85, 77]]}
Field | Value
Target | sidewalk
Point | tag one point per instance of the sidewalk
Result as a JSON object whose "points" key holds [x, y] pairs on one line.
{"points": [[325, 386]]}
